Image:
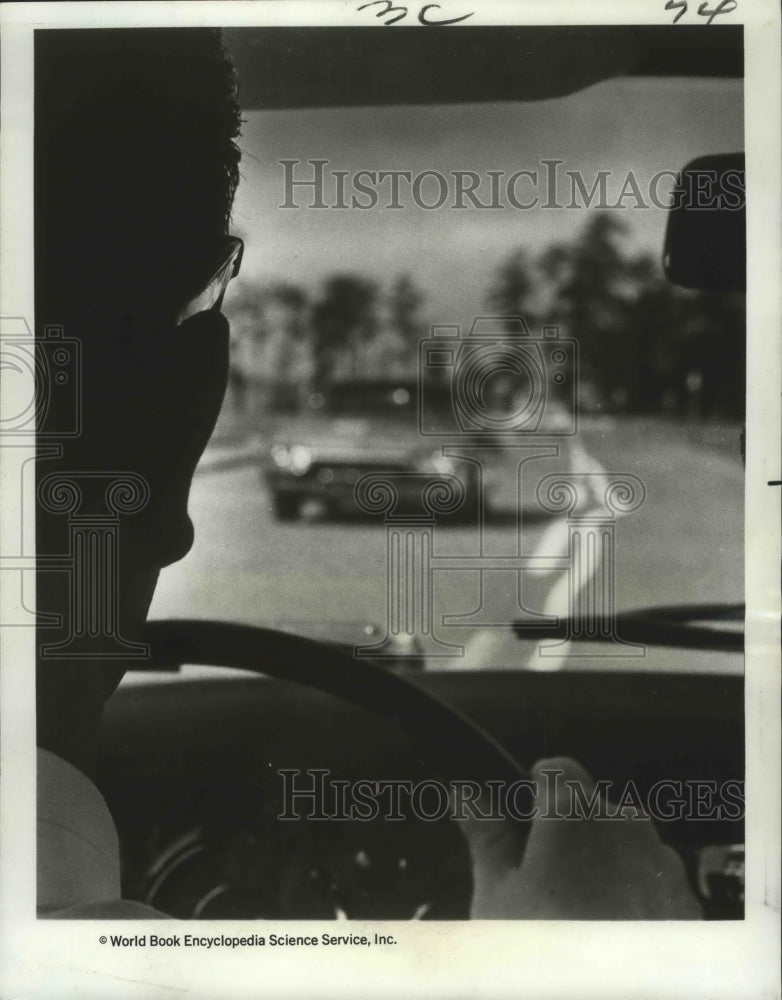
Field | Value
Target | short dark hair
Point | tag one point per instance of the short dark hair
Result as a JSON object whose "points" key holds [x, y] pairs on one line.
{"points": [[136, 161]]}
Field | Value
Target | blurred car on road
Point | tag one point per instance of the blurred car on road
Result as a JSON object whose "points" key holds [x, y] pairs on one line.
{"points": [[354, 428]]}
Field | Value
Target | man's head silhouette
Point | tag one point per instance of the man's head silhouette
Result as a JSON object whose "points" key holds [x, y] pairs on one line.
{"points": [[136, 165]]}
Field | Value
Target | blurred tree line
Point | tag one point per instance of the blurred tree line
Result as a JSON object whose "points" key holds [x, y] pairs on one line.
{"points": [[645, 345]]}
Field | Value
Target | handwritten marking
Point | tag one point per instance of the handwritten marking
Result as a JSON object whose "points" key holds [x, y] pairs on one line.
{"points": [[422, 18], [423, 14], [679, 5], [725, 7], [389, 9]]}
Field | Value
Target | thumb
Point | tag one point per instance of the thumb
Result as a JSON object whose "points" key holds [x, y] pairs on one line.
{"points": [[496, 845], [496, 826], [497, 837]]}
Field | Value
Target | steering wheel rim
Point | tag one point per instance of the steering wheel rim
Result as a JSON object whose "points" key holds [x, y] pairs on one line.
{"points": [[448, 744], [452, 746]]}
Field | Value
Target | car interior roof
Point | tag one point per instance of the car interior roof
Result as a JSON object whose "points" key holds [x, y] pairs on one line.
{"points": [[319, 67]]}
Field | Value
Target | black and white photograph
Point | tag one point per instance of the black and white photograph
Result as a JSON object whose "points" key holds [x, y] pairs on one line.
{"points": [[390, 472]]}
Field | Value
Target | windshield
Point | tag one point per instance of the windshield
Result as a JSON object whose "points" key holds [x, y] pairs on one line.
{"points": [[375, 239], [361, 398]]}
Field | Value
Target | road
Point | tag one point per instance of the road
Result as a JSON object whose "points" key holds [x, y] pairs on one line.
{"points": [[684, 545]]}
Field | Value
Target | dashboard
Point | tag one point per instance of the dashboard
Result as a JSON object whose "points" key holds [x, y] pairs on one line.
{"points": [[229, 793]]}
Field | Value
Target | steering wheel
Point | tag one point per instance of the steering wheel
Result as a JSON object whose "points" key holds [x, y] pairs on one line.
{"points": [[190, 879]]}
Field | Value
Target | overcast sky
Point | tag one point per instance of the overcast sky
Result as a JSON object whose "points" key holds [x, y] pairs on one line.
{"points": [[643, 126]]}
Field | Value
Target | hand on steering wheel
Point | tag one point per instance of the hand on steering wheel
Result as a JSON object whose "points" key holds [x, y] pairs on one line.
{"points": [[585, 868], [575, 869]]}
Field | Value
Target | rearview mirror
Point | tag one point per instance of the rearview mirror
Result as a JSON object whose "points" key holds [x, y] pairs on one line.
{"points": [[705, 241]]}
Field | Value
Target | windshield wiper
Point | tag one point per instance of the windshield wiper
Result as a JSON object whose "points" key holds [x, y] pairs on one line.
{"points": [[680, 625]]}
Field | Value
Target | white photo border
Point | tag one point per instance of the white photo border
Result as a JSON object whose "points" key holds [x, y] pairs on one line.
{"points": [[552, 959]]}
